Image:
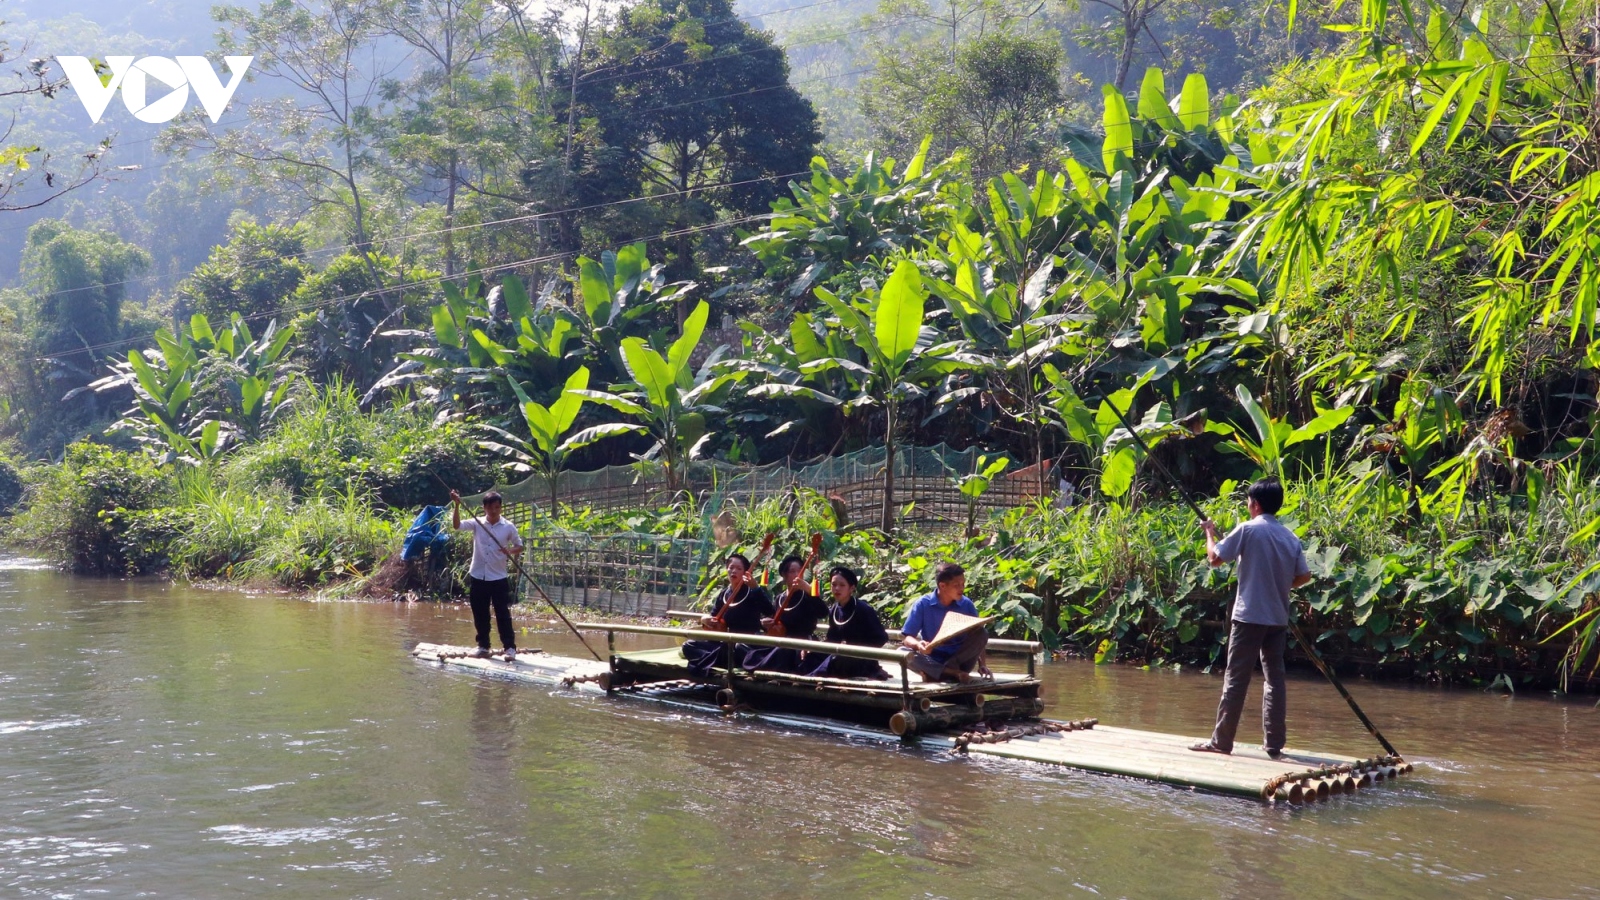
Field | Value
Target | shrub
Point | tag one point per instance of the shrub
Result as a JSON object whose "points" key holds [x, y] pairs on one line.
{"points": [[88, 512], [329, 446]]}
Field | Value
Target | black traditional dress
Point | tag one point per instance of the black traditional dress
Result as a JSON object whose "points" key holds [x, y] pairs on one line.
{"points": [[743, 617], [849, 623], [799, 611]]}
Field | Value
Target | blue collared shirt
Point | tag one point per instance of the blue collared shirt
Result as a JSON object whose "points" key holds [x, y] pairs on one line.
{"points": [[925, 617], [1270, 558]]}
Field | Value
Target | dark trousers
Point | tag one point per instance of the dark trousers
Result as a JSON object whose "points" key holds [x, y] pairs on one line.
{"points": [[965, 658], [1248, 642], [484, 594]]}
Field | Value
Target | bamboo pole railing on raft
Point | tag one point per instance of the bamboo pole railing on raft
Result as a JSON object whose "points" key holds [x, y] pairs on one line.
{"points": [[911, 719], [1002, 645]]}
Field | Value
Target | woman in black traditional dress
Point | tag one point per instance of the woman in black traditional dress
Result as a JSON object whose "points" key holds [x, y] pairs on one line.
{"points": [[739, 609], [852, 621], [799, 610]]}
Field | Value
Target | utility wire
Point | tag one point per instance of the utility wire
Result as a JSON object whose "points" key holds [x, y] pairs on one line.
{"points": [[423, 282], [536, 216]]}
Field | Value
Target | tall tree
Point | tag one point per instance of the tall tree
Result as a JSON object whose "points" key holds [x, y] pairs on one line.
{"points": [[440, 118], [318, 148], [72, 318], [1000, 100], [690, 106], [252, 274]]}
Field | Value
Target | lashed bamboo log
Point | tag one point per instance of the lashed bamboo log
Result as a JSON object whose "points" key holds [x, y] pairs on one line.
{"points": [[943, 716]]}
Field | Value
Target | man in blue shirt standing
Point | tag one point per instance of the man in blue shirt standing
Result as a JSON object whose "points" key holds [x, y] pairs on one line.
{"points": [[955, 658], [1271, 563]]}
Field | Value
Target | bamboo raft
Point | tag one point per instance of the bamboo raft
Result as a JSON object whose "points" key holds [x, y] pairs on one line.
{"points": [[996, 717]]}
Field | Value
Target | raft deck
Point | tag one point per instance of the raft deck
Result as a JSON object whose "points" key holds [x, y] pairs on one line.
{"points": [[994, 718]]}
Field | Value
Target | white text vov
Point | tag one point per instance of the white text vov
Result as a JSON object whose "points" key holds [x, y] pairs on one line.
{"points": [[179, 74]]}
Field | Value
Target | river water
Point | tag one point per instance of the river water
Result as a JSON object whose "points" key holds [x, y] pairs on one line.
{"points": [[167, 741]]}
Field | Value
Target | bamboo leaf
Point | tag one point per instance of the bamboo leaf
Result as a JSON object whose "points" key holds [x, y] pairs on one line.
{"points": [[1437, 114]]}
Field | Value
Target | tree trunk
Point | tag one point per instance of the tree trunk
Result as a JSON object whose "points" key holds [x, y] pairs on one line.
{"points": [[450, 218], [888, 470], [1132, 22]]}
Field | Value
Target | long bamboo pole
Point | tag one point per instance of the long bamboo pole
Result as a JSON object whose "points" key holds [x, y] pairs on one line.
{"points": [[1002, 644], [754, 640], [1300, 638]]}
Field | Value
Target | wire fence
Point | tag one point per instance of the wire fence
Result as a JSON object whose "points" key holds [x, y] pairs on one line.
{"points": [[646, 574], [927, 489], [619, 574]]}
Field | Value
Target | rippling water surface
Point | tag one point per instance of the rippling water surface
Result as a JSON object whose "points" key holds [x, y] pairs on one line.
{"points": [[165, 741]]}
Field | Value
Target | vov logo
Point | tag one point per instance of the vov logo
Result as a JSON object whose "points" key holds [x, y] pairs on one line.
{"points": [[133, 78]]}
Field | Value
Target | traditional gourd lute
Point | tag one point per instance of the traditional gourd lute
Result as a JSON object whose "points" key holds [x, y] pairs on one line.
{"points": [[719, 621], [776, 629]]}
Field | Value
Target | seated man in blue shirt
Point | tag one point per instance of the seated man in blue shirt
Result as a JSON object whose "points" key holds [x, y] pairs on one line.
{"points": [[954, 659]]}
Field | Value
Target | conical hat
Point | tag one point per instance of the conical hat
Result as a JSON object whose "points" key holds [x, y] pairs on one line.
{"points": [[956, 624]]}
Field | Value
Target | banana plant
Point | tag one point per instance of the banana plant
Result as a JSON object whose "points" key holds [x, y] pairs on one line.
{"points": [[1100, 431], [902, 360], [164, 418], [671, 400], [547, 447], [620, 293], [481, 340], [800, 376], [1001, 287], [1274, 437], [251, 376]]}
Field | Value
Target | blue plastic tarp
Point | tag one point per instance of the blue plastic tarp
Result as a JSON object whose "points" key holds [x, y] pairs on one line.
{"points": [[426, 533]]}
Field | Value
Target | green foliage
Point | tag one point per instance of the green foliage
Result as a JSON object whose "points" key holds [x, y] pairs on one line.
{"points": [[894, 359], [673, 402], [203, 390], [12, 487], [997, 99], [833, 225], [656, 60], [547, 451], [327, 446], [253, 274], [85, 513]]}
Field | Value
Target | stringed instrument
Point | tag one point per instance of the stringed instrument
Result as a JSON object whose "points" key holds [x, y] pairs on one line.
{"points": [[719, 621], [776, 629]]}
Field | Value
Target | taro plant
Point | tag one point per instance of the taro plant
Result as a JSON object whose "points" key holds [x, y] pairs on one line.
{"points": [[976, 483]]}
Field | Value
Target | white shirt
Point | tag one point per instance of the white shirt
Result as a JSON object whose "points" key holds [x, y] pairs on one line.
{"points": [[488, 561]]}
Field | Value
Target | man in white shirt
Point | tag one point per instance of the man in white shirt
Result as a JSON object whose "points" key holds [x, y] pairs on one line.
{"points": [[494, 544]]}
